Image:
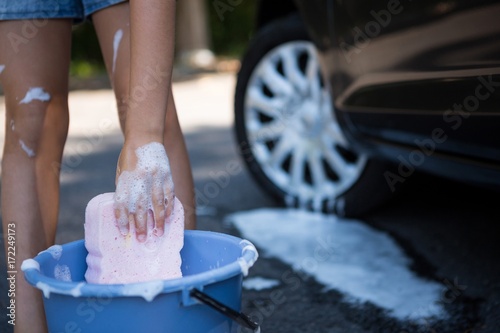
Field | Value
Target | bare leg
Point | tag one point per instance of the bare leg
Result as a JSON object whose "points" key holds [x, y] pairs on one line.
{"points": [[34, 140], [112, 25]]}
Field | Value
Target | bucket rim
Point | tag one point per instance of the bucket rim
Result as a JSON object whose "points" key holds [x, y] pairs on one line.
{"points": [[149, 289]]}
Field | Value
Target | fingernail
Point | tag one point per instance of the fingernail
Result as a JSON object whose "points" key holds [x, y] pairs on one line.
{"points": [[123, 230], [141, 238], [158, 232]]}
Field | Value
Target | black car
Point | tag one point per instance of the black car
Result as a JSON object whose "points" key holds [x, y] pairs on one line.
{"points": [[339, 102]]}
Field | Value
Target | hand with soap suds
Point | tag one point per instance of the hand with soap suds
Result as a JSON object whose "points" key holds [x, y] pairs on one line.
{"points": [[144, 190]]}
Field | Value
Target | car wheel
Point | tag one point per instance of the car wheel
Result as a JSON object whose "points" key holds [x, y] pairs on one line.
{"points": [[287, 132]]}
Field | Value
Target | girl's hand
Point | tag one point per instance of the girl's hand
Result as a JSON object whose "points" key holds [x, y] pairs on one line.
{"points": [[144, 193]]}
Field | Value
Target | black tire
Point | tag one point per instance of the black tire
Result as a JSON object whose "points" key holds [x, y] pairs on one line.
{"points": [[368, 191]]}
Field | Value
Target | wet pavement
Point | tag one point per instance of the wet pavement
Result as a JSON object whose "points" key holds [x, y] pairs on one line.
{"points": [[449, 230]]}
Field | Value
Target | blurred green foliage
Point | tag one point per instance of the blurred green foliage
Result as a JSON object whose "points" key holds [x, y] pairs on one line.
{"points": [[86, 57], [231, 27]]}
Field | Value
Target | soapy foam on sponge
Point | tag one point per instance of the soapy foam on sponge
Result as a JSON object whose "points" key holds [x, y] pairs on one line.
{"points": [[115, 258]]}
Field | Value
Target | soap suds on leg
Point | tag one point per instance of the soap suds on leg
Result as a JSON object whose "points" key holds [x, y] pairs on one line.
{"points": [[36, 93], [30, 152], [12, 125], [116, 44], [2, 67]]}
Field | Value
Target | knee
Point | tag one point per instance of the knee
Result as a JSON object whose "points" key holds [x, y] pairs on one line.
{"points": [[29, 123], [23, 131]]}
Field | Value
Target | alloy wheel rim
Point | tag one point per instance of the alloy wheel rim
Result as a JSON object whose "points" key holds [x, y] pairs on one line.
{"points": [[292, 130]]}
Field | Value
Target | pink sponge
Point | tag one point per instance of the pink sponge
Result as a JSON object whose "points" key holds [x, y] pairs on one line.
{"points": [[114, 258]]}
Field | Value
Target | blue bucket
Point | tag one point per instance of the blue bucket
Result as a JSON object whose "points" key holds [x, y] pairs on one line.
{"points": [[212, 263]]}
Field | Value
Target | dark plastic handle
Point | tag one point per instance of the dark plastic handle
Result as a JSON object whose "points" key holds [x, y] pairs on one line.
{"points": [[238, 317]]}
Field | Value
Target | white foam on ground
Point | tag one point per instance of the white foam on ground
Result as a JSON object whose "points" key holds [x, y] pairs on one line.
{"points": [[347, 255], [259, 283], [35, 93]]}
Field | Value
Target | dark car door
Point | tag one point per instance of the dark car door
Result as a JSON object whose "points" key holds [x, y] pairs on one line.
{"points": [[411, 75]]}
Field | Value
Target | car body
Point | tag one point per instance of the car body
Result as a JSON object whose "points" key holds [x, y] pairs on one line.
{"points": [[415, 82], [409, 86]]}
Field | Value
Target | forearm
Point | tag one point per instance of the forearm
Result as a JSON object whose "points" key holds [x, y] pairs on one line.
{"points": [[152, 53]]}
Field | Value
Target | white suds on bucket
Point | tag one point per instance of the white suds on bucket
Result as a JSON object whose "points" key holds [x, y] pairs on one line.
{"points": [[30, 152], [249, 252], [77, 291], [244, 266], [55, 251], [30, 264], [47, 290], [62, 273], [147, 290], [116, 44], [35, 93]]}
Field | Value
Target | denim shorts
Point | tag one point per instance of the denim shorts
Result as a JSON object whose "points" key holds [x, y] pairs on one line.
{"points": [[78, 10]]}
